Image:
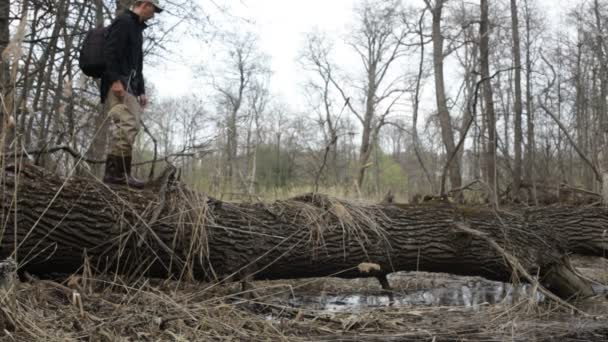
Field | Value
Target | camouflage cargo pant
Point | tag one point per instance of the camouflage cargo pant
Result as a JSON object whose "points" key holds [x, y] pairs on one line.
{"points": [[125, 115]]}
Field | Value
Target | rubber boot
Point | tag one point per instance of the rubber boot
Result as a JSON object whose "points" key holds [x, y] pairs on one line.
{"points": [[131, 181], [115, 170]]}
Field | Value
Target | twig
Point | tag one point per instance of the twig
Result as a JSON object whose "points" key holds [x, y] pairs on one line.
{"points": [[333, 141], [466, 186], [151, 175], [64, 148], [598, 176], [587, 192], [415, 138], [327, 148], [79, 156]]}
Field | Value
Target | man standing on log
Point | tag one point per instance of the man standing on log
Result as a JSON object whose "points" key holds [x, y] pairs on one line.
{"points": [[122, 88]]}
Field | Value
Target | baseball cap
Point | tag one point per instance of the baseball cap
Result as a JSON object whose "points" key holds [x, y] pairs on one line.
{"points": [[156, 4]]}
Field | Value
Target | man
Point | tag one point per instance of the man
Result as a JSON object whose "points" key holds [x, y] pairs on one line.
{"points": [[122, 88]]}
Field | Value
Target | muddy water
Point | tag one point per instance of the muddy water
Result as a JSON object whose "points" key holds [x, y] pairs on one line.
{"points": [[472, 294]]}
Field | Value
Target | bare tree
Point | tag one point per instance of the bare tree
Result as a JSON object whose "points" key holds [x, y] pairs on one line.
{"points": [[244, 64], [447, 131], [602, 55], [484, 47], [581, 71], [4, 40], [379, 42], [517, 166], [416, 102], [529, 157], [329, 116], [258, 99], [6, 88]]}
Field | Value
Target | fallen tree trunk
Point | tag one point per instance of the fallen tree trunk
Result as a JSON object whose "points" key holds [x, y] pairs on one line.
{"points": [[54, 224], [581, 230]]}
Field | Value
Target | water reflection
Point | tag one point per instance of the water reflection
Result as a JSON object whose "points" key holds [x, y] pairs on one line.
{"points": [[470, 295]]}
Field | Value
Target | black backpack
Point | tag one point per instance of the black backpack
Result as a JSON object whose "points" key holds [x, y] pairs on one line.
{"points": [[91, 59]]}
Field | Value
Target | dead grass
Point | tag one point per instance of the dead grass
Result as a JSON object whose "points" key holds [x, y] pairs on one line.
{"points": [[320, 213], [161, 310]]}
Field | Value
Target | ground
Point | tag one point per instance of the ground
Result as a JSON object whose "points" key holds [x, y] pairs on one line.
{"points": [[425, 307]]}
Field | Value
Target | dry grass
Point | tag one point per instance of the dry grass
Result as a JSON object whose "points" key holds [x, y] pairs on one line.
{"points": [[320, 213], [191, 212], [100, 309]]}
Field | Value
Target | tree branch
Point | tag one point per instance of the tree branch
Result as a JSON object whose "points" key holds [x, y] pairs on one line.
{"points": [[596, 172]]}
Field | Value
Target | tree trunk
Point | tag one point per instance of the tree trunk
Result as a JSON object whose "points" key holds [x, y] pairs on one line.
{"points": [[602, 105], [581, 230], [366, 137], [529, 158], [4, 39], [447, 133], [484, 56], [26, 115], [517, 144], [173, 231], [4, 64], [582, 112], [101, 125]]}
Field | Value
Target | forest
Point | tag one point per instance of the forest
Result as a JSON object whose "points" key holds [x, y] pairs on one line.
{"points": [[440, 162]]}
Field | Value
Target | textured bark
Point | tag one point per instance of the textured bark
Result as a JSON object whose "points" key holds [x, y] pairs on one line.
{"points": [[484, 58], [581, 230], [4, 39], [530, 154], [56, 222], [602, 106], [605, 184], [518, 109]]}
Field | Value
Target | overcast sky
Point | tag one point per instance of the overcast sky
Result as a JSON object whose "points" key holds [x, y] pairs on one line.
{"points": [[281, 25]]}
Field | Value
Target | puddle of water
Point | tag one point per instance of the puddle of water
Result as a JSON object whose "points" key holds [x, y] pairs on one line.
{"points": [[470, 295]]}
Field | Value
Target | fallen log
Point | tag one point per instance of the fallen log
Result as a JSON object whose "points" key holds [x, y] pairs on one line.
{"points": [[581, 230], [53, 224]]}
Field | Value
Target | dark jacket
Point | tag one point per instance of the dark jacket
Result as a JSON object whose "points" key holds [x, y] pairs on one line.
{"points": [[123, 54]]}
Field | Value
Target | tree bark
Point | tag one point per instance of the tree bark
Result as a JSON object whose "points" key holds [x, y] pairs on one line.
{"points": [[602, 106], [582, 231], [4, 39], [530, 155], [447, 132], [4, 64], [517, 143], [53, 223], [484, 57]]}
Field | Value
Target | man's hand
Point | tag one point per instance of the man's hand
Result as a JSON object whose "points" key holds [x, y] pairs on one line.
{"points": [[143, 100], [118, 89]]}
